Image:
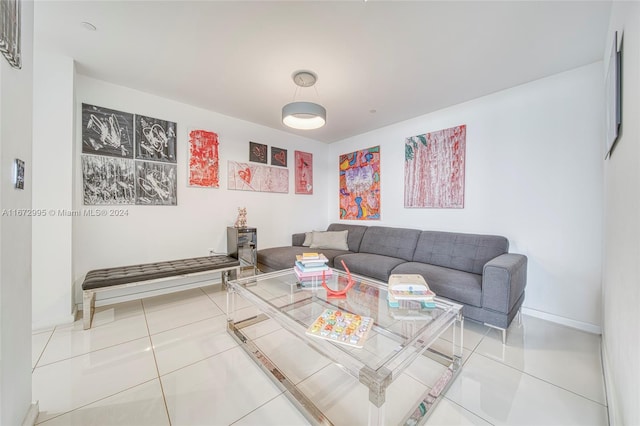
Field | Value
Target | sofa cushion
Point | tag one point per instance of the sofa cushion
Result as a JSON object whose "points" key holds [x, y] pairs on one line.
{"points": [[393, 242], [298, 239], [336, 240], [278, 258], [355, 234], [308, 237], [371, 265], [464, 252], [462, 287]]}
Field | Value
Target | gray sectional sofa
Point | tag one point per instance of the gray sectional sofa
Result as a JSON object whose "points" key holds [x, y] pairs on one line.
{"points": [[476, 271]]}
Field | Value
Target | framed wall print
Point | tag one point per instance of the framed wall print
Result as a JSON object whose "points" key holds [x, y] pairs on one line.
{"points": [[278, 157], [18, 174], [304, 172], [613, 96], [257, 152], [10, 31]]}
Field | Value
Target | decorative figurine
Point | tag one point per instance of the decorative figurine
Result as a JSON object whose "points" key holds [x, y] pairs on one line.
{"points": [[241, 221], [339, 294]]}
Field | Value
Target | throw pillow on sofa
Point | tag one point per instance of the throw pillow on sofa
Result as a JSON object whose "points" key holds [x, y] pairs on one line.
{"points": [[308, 238], [336, 240]]}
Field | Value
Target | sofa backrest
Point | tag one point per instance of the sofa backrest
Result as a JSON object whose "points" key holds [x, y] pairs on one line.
{"points": [[464, 252], [394, 242], [354, 236]]}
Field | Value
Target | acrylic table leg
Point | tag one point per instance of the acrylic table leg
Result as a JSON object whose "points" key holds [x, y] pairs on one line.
{"points": [[458, 335], [231, 304], [376, 415]]}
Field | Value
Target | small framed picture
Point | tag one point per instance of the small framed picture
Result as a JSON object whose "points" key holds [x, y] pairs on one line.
{"points": [[257, 152], [278, 157], [18, 174]]}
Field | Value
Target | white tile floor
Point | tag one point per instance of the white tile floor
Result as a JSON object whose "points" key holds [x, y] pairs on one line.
{"points": [[168, 360]]}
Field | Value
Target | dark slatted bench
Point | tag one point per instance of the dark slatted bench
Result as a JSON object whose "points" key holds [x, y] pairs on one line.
{"points": [[134, 275]]}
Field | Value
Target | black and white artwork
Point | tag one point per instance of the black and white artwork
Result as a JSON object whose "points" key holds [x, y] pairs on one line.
{"points": [[156, 183], [107, 180], [107, 132], [10, 32], [18, 173], [155, 139]]}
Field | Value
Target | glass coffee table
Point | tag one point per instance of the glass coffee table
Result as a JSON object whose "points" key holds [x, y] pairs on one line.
{"points": [[410, 331]]}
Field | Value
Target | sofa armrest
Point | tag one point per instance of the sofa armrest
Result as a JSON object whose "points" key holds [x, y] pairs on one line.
{"points": [[297, 239], [503, 281]]}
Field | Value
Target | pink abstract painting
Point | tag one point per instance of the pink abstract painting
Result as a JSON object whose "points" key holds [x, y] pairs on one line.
{"points": [[256, 177], [360, 184], [434, 166], [203, 159], [304, 172]]}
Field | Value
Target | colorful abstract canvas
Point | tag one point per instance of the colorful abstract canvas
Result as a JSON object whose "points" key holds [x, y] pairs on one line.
{"points": [[256, 177], [434, 167], [304, 172], [203, 159], [360, 185]]}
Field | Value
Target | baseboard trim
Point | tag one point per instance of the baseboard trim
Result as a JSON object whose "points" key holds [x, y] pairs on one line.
{"points": [[51, 323], [609, 388], [584, 326], [32, 415]]}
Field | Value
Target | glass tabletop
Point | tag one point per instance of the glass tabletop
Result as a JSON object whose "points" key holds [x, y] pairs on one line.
{"points": [[398, 334]]}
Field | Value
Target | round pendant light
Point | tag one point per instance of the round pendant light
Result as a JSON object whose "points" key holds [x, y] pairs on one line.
{"points": [[304, 115]]}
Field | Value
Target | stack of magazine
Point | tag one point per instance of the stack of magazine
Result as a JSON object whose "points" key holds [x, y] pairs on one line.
{"points": [[310, 267]]}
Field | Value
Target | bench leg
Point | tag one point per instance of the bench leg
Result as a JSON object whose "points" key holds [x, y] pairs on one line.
{"points": [[88, 307]]}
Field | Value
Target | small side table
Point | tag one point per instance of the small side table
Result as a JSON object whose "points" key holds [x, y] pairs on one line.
{"points": [[242, 244]]}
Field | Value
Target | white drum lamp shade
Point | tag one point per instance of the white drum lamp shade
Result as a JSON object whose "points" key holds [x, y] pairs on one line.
{"points": [[304, 115]]}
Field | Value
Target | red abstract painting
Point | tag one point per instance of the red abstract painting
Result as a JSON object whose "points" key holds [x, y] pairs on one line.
{"points": [[203, 159], [304, 172], [360, 184], [434, 165]]}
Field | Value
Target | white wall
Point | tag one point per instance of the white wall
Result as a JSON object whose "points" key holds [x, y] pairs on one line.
{"points": [[533, 174], [53, 162], [15, 231], [199, 221], [621, 276]]}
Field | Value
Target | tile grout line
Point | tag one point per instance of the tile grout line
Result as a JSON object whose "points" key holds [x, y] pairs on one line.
{"points": [[444, 396], [257, 408], [198, 361], [43, 349], [155, 361], [93, 402], [543, 380], [90, 352], [467, 410], [183, 325]]}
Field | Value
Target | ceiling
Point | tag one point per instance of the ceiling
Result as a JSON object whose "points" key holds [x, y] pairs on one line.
{"points": [[378, 62]]}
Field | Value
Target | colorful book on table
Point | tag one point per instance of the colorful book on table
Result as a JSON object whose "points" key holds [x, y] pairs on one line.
{"points": [[318, 260], [312, 274], [315, 268]]}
